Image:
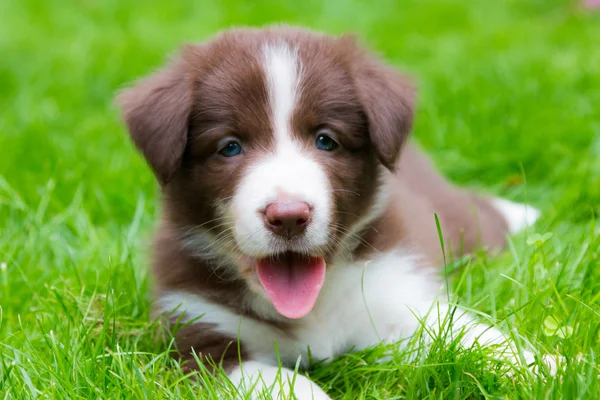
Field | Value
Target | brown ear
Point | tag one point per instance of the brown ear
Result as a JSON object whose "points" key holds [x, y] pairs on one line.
{"points": [[156, 111], [388, 100]]}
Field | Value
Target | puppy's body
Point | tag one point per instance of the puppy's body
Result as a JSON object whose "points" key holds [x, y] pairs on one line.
{"points": [[294, 213]]}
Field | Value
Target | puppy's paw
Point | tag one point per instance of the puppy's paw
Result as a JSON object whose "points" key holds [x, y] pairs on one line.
{"points": [[553, 363], [280, 383], [304, 389]]}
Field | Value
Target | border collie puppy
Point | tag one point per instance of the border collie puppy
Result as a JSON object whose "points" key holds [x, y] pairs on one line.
{"points": [[295, 214]]}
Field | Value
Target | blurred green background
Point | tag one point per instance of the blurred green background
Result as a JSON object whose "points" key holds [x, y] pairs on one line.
{"points": [[501, 84]]}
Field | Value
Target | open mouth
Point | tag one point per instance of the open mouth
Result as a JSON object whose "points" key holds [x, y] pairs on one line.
{"points": [[292, 282]]}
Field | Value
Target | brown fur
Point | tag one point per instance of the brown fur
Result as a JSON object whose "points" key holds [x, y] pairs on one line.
{"points": [[467, 220], [200, 342]]}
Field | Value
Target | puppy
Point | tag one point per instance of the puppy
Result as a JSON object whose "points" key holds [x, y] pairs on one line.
{"points": [[295, 214]]}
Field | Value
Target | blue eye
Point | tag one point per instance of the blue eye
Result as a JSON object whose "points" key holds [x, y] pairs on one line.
{"points": [[326, 143], [231, 149]]}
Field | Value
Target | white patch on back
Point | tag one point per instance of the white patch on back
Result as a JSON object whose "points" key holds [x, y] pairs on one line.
{"points": [[287, 171], [518, 216]]}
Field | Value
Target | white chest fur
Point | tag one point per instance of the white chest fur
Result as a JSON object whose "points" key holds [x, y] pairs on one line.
{"points": [[365, 303], [360, 305]]}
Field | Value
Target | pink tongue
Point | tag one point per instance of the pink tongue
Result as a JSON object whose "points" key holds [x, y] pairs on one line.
{"points": [[292, 282]]}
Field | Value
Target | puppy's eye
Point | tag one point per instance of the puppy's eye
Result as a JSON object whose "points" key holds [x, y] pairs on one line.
{"points": [[324, 141], [231, 149]]}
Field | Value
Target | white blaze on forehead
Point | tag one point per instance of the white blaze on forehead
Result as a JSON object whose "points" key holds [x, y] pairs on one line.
{"points": [[283, 73], [286, 170]]}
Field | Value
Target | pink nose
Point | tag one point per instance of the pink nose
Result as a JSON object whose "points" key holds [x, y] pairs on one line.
{"points": [[287, 218]]}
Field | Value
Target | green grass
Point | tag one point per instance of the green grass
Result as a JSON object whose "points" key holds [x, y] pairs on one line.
{"points": [[509, 101]]}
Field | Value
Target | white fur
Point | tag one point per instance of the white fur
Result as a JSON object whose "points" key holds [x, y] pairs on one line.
{"points": [[283, 71], [518, 216], [276, 381], [362, 304], [387, 293], [286, 172]]}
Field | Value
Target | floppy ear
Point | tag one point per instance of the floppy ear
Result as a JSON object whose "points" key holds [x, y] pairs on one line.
{"points": [[156, 111], [388, 100]]}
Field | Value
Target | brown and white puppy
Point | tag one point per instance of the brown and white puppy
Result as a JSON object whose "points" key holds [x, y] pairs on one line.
{"points": [[294, 212]]}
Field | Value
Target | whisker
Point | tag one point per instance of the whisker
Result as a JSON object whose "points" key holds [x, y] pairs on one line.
{"points": [[347, 213], [352, 235], [345, 191]]}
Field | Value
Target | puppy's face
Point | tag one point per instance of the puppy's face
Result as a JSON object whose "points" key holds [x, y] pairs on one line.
{"points": [[269, 145]]}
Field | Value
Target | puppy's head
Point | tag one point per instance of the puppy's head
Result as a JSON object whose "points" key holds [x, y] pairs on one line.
{"points": [[269, 145]]}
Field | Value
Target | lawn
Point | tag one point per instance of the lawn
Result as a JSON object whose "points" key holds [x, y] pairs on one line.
{"points": [[509, 102]]}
